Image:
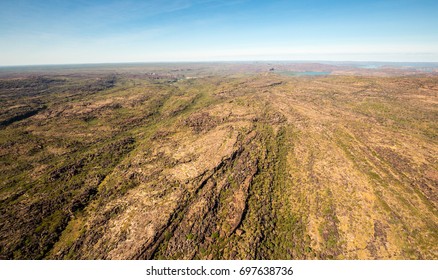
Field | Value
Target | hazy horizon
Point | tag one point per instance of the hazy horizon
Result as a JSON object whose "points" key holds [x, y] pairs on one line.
{"points": [[327, 62], [91, 32]]}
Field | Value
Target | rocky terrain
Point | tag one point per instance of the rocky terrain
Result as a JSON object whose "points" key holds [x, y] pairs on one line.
{"points": [[218, 162]]}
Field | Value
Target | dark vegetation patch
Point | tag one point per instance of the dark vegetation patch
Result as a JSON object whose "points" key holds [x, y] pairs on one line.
{"points": [[21, 116], [201, 122]]}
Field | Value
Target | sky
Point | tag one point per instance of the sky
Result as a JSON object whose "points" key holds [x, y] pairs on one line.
{"points": [[34, 32]]}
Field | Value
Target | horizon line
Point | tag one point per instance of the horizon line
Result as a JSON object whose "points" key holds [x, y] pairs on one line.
{"points": [[214, 61]]}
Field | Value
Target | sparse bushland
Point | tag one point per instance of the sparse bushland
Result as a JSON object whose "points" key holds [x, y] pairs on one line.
{"points": [[220, 166]]}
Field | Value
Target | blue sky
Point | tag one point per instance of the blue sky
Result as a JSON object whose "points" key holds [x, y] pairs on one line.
{"points": [[58, 32]]}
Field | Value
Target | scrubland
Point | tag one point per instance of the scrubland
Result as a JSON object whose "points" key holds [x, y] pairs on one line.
{"points": [[208, 164]]}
